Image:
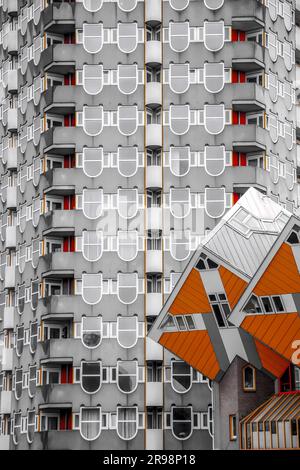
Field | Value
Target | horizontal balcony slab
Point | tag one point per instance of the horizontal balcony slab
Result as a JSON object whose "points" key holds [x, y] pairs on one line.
{"points": [[60, 223], [5, 402], [9, 318], [58, 58], [59, 18]]}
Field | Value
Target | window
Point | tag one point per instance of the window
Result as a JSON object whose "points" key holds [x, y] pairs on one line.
{"points": [[36, 211], [215, 202], [16, 427], [127, 287], [127, 5], [214, 159], [249, 379], [179, 160], [214, 118], [253, 305], [91, 376], [232, 427], [221, 309], [179, 119], [92, 5], [182, 422], [214, 35], [179, 5], [92, 203], [127, 244], [288, 55], [181, 376], [37, 89], [272, 45], [214, 77], [127, 34], [18, 383], [30, 426], [93, 37], [213, 4], [92, 245], [273, 86], [20, 340], [273, 8], [34, 294], [127, 376], [92, 120], [127, 422], [180, 202], [127, 78], [33, 336], [184, 322], [37, 8], [32, 381], [127, 119], [179, 36], [288, 94], [180, 245], [274, 168], [92, 288], [288, 15], [128, 200], [37, 49], [90, 422], [92, 79], [179, 77], [22, 258], [91, 331], [127, 331], [92, 161], [127, 161], [21, 299], [288, 134]]}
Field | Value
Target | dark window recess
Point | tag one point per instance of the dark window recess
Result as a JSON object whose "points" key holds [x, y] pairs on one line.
{"points": [[218, 315], [278, 304], [293, 239], [205, 263]]}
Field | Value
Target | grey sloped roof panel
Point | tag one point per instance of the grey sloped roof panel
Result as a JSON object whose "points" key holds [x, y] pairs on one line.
{"points": [[244, 254]]}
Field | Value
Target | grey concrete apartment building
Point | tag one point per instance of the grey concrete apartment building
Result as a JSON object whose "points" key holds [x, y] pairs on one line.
{"points": [[128, 128]]}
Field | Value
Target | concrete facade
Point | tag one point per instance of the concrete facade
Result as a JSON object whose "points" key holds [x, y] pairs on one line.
{"points": [[111, 176]]}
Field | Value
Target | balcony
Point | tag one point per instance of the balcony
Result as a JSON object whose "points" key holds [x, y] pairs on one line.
{"points": [[59, 18], [12, 7], [154, 439], [61, 140], [4, 442], [153, 94], [61, 100], [154, 303], [154, 176], [154, 394], [60, 223], [153, 53], [154, 218], [7, 358], [12, 158], [249, 138], [11, 237], [154, 261], [12, 119], [154, 135], [153, 12], [12, 81], [246, 56], [63, 440], [11, 202], [154, 351], [58, 59], [10, 277], [62, 304], [62, 261], [9, 318], [12, 42], [5, 402], [297, 28]]}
